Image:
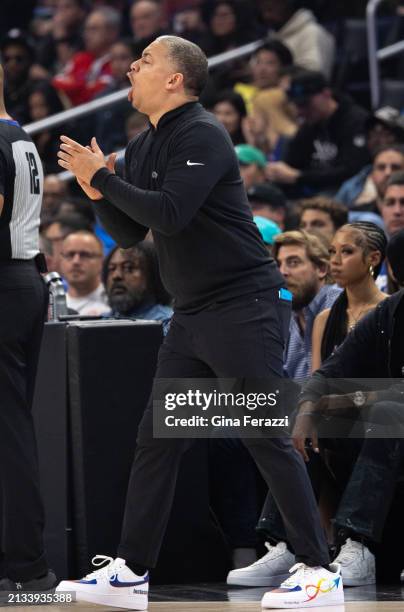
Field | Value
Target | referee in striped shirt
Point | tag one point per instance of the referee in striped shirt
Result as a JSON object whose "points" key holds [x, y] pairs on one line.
{"points": [[23, 307]]}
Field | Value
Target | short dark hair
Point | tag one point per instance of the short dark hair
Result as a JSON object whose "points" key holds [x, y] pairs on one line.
{"points": [[281, 51], [146, 253], [69, 222], [397, 178], [233, 98], [337, 211], [399, 148], [190, 60]]}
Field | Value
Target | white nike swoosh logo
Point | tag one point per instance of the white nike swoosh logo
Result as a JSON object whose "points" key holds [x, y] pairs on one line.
{"points": [[189, 163]]}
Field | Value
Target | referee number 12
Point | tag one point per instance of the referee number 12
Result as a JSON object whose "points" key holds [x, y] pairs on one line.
{"points": [[34, 174]]}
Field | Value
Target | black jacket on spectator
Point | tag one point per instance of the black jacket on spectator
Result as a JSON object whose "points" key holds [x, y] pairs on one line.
{"points": [[373, 349], [329, 152], [184, 183]]}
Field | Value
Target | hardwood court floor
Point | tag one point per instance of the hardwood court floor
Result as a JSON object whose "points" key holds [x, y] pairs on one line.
{"points": [[221, 598], [358, 606]]}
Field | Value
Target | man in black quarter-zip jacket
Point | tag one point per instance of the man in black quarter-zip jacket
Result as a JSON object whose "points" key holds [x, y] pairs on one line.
{"points": [[231, 312]]}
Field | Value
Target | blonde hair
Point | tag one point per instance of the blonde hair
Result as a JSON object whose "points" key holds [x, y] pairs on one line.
{"points": [[315, 245]]}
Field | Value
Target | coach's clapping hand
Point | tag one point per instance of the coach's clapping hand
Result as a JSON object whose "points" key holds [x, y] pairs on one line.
{"points": [[84, 162]]}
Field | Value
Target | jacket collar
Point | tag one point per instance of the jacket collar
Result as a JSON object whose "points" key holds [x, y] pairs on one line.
{"points": [[175, 113]]}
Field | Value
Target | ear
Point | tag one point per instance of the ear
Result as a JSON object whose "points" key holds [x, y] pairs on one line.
{"points": [[322, 271], [175, 81], [374, 258]]}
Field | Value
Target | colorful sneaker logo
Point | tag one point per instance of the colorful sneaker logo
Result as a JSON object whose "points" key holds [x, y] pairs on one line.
{"points": [[312, 590]]}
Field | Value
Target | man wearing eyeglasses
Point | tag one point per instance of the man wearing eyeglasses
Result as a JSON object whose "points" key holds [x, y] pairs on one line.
{"points": [[81, 267]]}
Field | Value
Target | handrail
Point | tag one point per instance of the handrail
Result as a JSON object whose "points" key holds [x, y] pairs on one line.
{"points": [[374, 76], [376, 55], [113, 98], [391, 50]]}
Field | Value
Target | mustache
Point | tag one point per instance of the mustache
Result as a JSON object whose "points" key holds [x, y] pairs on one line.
{"points": [[118, 286]]}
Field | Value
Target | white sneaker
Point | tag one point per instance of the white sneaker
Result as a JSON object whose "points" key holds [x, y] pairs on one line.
{"points": [[112, 585], [358, 565], [307, 587], [270, 570]]}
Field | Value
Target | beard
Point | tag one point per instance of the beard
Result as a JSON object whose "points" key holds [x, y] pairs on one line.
{"points": [[126, 300], [303, 294]]}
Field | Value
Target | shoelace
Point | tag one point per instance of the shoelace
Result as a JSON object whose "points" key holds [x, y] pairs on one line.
{"points": [[349, 551], [109, 571], [299, 572], [271, 549]]}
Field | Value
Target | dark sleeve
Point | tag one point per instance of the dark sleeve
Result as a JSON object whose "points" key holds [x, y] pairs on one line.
{"points": [[2, 174], [200, 157], [351, 360], [122, 228], [351, 158]]}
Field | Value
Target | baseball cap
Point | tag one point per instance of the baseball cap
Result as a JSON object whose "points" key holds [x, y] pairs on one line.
{"points": [[267, 194], [268, 229], [388, 116], [304, 84], [17, 37], [395, 250], [247, 154]]}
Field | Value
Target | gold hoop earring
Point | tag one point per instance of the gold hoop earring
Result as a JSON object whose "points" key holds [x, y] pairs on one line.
{"points": [[371, 270]]}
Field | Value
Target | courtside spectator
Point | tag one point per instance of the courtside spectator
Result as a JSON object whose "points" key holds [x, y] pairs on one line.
{"points": [[55, 230], [65, 36], [386, 161], [252, 164], [89, 71], [266, 69], [269, 202], [121, 56], [54, 190], [322, 215], [392, 205], [312, 46], [82, 257], [330, 145], [230, 109], [133, 284], [303, 259], [147, 23], [17, 55]]}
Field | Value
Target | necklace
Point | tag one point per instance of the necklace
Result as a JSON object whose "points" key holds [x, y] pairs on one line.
{"points": [[356, 319]]}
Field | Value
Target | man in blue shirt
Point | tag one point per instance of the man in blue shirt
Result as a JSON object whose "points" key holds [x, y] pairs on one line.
{"points": [[303, 260], [133, 284]]}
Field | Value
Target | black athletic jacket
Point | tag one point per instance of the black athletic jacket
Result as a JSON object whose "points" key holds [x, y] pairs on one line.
{"points": [[182, 180], [373, 349]]}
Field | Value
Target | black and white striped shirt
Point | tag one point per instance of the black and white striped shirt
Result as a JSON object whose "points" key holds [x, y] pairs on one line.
{"points": [[21, 185]]}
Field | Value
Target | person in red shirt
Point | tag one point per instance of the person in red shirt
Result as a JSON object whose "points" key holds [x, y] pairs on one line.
{"points": [[89, 71]]}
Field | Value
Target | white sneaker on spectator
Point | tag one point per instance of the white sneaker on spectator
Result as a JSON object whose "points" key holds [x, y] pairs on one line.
{"points": [[358, 565], [307, 587], [112, 585], [270, 570]]}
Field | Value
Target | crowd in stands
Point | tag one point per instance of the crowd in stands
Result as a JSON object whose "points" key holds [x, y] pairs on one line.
{"points": [[324, 176]]}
